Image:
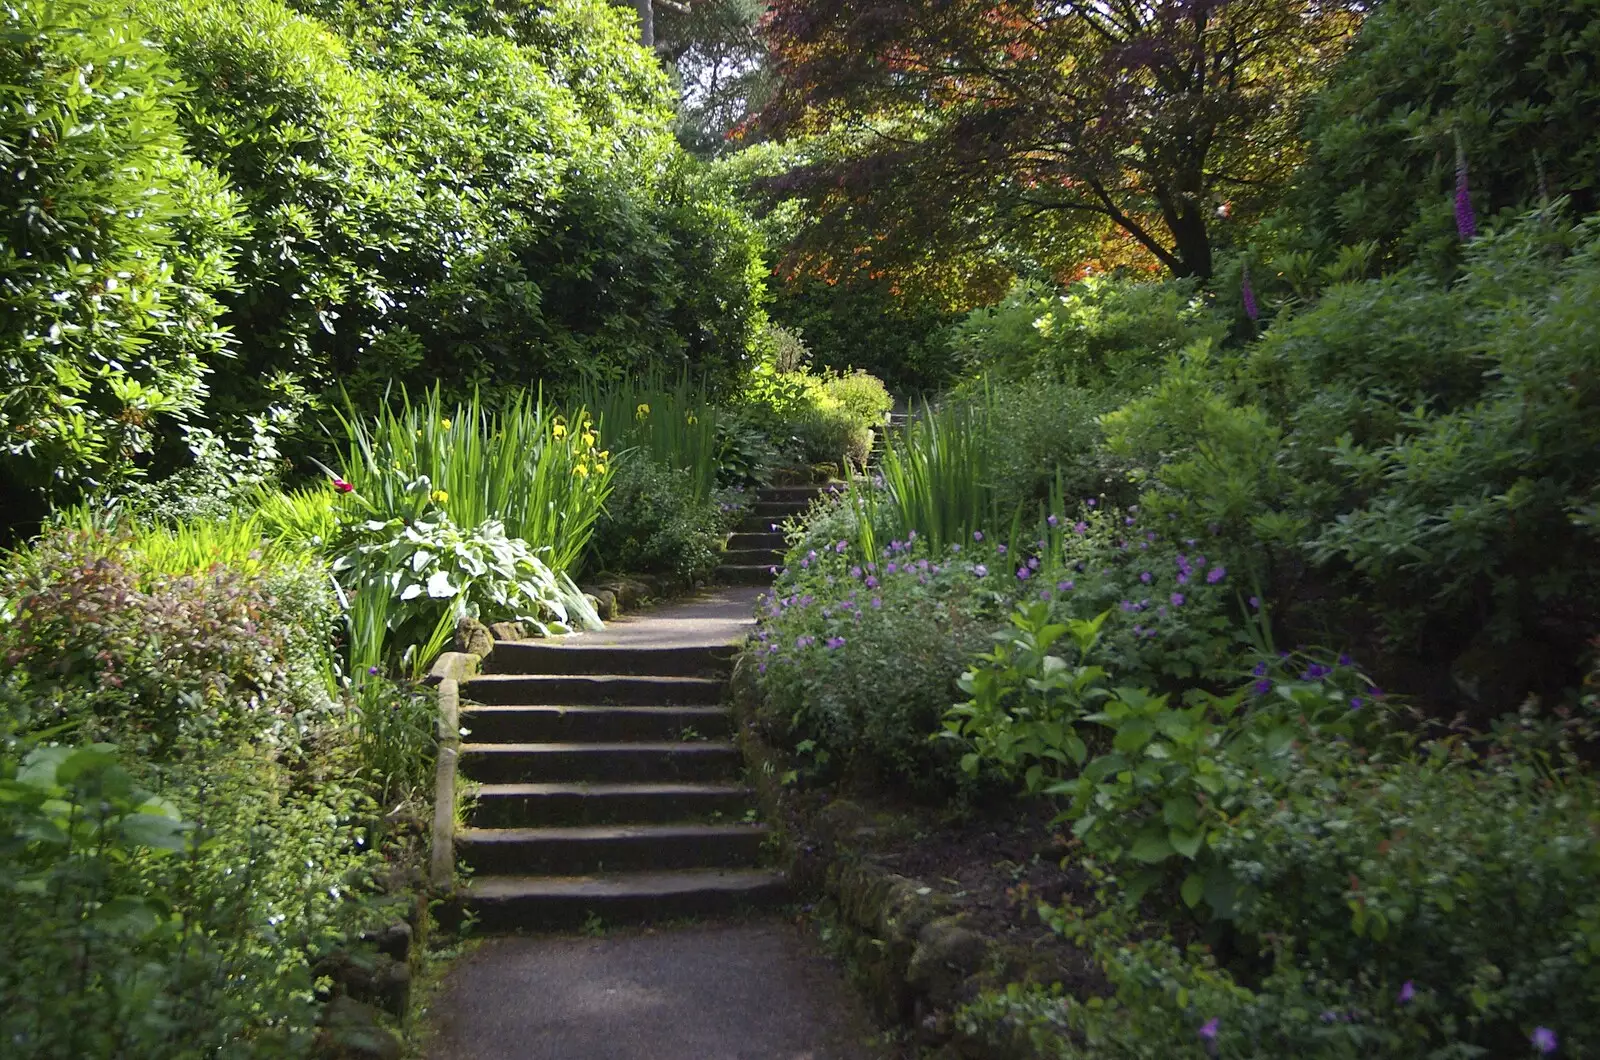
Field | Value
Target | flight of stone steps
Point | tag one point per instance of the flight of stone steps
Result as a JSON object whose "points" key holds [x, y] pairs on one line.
{"points": [[894, 422], [610, 788], [757, 544]]}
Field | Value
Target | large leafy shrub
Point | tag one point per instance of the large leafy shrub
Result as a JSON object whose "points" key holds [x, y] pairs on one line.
{"points": [[1448, 455], [114, 251], [1423, 904], [822, 417], [443, 191], [654, 524], [155, 656], [190, 922], [1511, 82], [1103, 332]]}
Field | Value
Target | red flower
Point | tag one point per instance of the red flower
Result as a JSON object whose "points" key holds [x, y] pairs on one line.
{"points": [[341, 485]]}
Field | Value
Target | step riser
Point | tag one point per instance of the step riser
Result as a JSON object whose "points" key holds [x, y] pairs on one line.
{"points": [[523, 658], [609, 766], [745, 575], [791, 494], [554, 725], [550, 914], [568, 810], [578, 690], [623, 854], [780, 510]]}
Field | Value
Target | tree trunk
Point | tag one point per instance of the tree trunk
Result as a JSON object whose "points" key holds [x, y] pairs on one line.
{"points": [[1191, 243], [647, 22]]}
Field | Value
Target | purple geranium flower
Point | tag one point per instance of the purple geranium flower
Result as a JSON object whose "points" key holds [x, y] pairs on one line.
{"points": [[877, 601], [981, 571], [1178, 599], [841, 546], [1065, 587], [1408, 991], [1216, 574], [835, 643], [1263, 686], [1145, 577], [872, 582], [1544, 1039], [1355, 702], [1023, 574], [977, 535], [1080, 528], [1208, 1030], [1255, 603], [1053, 520]]}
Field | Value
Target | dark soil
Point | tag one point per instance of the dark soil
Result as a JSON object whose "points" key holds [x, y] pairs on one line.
{"points": [[997, 865]]}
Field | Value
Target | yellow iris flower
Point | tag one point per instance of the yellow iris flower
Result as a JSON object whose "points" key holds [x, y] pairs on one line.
{"points": [[582, 471], [559, 430]]}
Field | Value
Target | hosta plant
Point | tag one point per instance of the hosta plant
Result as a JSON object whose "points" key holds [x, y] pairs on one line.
{"points": [[434, 572]]}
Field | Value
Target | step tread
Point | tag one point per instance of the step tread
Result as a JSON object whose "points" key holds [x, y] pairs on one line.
{"points": [[597, 833], [630, 746], [625, 884], [668, 679], [627, 710], [603, 790]]}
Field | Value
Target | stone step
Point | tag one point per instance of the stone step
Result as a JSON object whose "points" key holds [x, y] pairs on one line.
{"points": [[778, 510], [510, 903], [509, 805], [770, 541], [547, 763], [593, 724], [794, 494], [729, 574], [541, 657], [760, 524], [558, 689], [752, 557], [610, 848]]}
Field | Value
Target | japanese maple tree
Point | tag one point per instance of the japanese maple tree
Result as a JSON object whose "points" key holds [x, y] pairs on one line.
{"points": [[1152, 117]]}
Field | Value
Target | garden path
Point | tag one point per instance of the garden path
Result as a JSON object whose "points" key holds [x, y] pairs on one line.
{"points": [[753, 990], [631, 833]]}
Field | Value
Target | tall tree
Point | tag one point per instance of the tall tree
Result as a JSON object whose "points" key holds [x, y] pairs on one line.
{"points": [[1150, 117], [713, 48]]}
